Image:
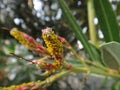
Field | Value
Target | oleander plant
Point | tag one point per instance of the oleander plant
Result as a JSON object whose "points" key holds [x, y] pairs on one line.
{"points": [[41, 47]]}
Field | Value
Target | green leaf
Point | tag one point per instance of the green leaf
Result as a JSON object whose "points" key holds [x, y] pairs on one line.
{"points": [[118, 9], [76, 28], [111, 54], [116, 86], [107, 20]]}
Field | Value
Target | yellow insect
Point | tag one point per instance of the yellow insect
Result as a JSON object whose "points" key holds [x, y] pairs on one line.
{"points": [[54, 45], [54, 48]]}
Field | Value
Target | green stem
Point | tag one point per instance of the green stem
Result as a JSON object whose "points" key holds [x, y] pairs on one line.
{"points": [[95, 71], [53, 78], [71, 68], [78, 58], [84, 61], [96, 64], [91, 16], [68, 46]]}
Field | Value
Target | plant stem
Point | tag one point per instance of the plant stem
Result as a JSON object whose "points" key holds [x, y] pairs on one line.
{"points": [[86, 62], [71, 68], [78, 58], [102, 69], [95, 71], [91, 16], [53, 78], [96, 64]]}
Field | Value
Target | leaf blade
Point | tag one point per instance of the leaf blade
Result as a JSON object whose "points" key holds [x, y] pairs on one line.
{"points": [[76, 29], [110, 54], [107, 20]]}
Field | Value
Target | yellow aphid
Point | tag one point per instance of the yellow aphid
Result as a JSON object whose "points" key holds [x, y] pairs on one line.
{"points": [[55, 48], [19, 36], [54, 45]]}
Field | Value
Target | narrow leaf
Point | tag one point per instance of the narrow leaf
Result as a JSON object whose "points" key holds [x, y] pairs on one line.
{"points": [[107, 20], [76, 28]]}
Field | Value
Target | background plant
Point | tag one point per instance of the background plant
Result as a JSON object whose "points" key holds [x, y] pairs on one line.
{"points": [[69, 29]]}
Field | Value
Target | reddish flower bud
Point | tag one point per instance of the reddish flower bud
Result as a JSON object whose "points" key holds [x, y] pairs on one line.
{"points": [[28, 41]]}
